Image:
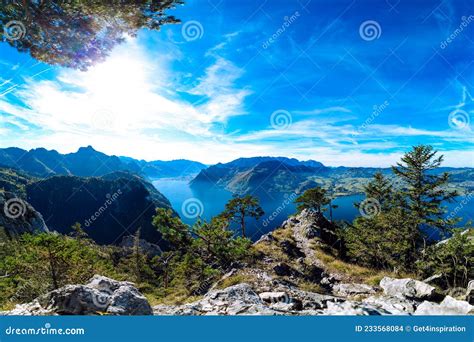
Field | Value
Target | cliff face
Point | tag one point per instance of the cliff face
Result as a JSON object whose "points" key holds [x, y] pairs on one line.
{"points": [[108, 208]]}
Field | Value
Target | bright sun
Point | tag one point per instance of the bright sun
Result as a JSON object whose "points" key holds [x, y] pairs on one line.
{"points": [[118, 76]]}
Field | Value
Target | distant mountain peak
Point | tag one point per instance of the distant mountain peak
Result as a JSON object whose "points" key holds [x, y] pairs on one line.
{"points": [[88, 148]]}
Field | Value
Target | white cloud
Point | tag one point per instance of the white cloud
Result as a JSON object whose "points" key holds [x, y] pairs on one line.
{"points": [[128, 97]]}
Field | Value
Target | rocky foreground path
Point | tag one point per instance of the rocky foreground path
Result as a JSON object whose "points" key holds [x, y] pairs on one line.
{"points": [[273, 288]]}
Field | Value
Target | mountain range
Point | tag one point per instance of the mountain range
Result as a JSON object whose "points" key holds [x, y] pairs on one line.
{"points": [[284, 175], [88, 162], [70, 188]]}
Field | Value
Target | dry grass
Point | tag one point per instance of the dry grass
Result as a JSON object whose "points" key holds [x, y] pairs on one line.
{"points": [[272, 249], [7, 306], [311, 287], [176, 297], [283, 234], [355, 272], [236, 279]]}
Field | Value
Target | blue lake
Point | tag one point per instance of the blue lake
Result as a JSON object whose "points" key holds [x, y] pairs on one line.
{"points": [[211, 202]]}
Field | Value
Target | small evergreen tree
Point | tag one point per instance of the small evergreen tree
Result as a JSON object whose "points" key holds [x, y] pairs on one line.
{"points": [[424, 190], [453, 259], [172, 228], [239, 208], [313, 199], [382, 241], [381, 189]]}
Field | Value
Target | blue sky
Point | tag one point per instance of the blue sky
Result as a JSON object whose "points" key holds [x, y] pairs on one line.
{"points": [[352, 83]]}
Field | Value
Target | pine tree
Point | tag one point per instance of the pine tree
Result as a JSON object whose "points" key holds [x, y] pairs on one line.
{"points": [[381, 189], [313, 199], [424, 190], [172, 228], [239, 208]]}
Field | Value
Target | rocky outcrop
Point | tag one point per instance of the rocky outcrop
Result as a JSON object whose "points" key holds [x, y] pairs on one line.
{"points": [[17, 216], [241, 299], [348, 290], [449, 306], [392, 305], [235, 300], [100, 295], [407, 287], [310, 224]]}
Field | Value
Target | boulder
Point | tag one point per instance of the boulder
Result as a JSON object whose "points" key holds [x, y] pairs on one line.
{"points": [[266, 238], [470, 292], [352, 308], [100, 295], [407, 287], [290, 249], [352, 289], [449, 306], [274, 297], [235, 300], [311, 231], [312, 300], [392, 305]]}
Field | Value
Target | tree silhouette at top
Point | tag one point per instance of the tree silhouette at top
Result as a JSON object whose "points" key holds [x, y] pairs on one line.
{"points": [[78, 34]]}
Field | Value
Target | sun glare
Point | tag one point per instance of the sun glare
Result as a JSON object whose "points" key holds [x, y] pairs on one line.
{"points": [[117, 76]]}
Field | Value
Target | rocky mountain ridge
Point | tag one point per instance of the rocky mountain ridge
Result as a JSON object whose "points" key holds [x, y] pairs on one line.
{"points": [[283, 175], [87, 162]]}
